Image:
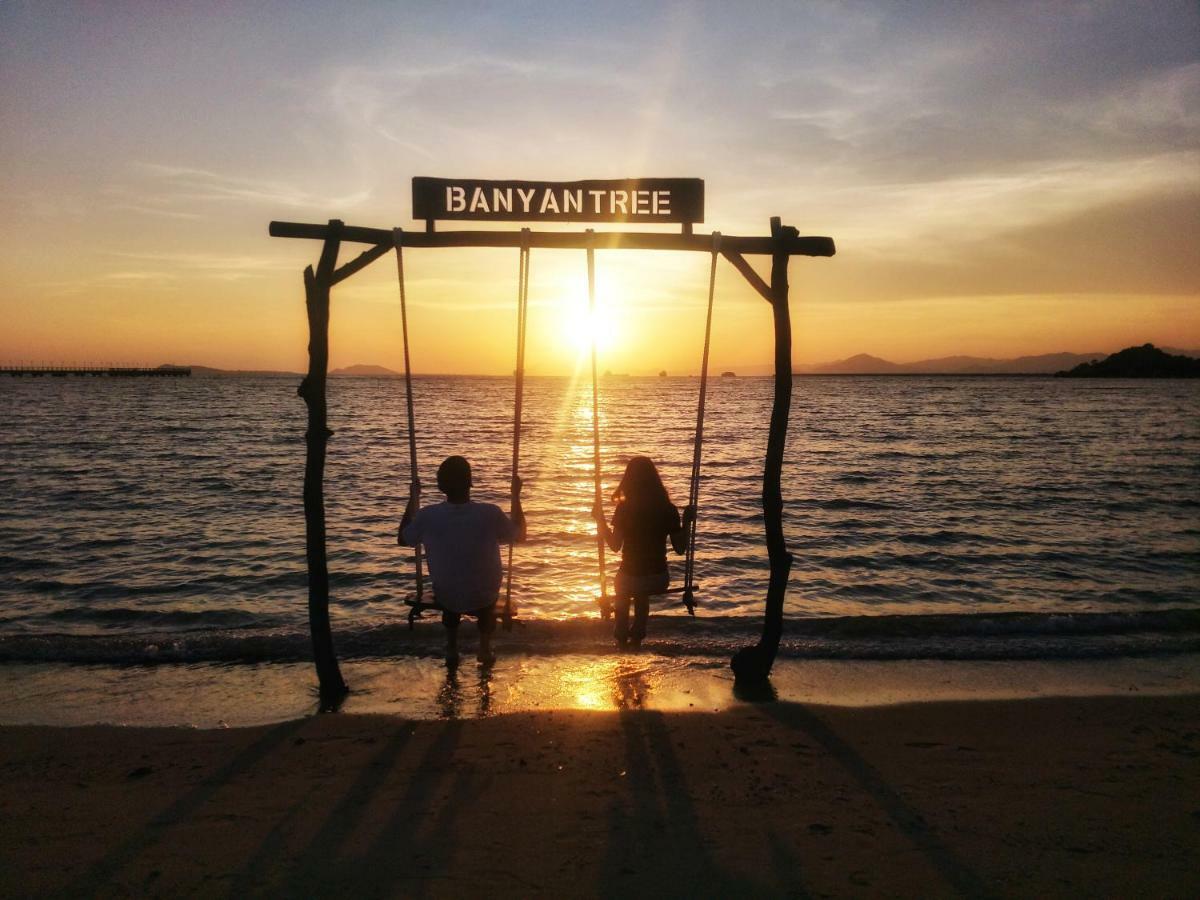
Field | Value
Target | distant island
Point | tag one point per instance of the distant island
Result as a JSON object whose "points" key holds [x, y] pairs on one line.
{"points": [[1161, 363], [210, 372], [364, 370], [1146, 361], [351, 371]]}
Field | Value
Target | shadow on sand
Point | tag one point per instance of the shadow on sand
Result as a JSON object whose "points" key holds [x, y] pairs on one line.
{"points": [[911, 823], [416, 841], [397, 825], [654, 829]]}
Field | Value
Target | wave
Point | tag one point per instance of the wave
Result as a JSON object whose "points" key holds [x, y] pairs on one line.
{"points": [[984, 636], [13, 564], [160, 618], [842, 503]]}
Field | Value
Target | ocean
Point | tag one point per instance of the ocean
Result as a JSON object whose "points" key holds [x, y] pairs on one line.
{"points": [[160, 521]]}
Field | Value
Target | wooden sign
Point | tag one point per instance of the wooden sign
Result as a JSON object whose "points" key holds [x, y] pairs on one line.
{"points": [[663, 200]]}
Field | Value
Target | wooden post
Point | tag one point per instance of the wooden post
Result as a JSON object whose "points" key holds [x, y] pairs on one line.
{"points": [[312, 389], [753, 664]]}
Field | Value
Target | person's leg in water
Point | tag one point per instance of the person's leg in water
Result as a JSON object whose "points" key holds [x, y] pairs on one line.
{"points": [[641, 612], [487, 626], [621, 617], [450, 621]]}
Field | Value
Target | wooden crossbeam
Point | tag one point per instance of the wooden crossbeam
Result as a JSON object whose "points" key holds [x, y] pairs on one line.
{"points": [[564, 240]]}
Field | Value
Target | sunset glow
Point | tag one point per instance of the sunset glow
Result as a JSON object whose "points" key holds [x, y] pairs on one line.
{"points": [[1001, 179]]}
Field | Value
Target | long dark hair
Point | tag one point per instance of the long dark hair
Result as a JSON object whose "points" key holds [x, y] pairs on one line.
{"points": [[641, 485]]}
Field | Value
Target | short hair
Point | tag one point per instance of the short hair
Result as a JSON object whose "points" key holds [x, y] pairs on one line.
{"points": [[454, 475]]}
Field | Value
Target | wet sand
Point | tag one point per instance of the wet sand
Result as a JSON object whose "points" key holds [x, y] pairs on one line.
{"points": [[211, 695], [1036, 797]]}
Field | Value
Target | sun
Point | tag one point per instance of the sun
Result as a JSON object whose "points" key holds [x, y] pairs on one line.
{"points": [[579, 326]]}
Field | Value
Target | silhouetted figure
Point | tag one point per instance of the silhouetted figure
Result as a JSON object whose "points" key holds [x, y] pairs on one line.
{"points": [[644, 519], [462, 543]]}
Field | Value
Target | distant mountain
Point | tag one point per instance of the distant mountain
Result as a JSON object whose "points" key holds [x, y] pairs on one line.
{"points": [[364, 370], [862, 364], [1045, 364], [865, 364], [1146, 361], [1175, 351]]}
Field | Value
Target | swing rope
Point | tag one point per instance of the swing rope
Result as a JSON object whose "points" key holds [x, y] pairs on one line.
{"points": [[689, 584], [605, 608], [418, 604], [415, 479], [518, 402]]}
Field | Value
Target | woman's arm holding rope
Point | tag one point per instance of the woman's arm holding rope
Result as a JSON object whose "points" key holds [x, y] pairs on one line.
{"points": [[679, 537], [613, 537]]}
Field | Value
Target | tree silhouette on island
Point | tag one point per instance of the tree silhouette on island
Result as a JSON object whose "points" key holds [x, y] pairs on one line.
{"points": [[1146, 361]]}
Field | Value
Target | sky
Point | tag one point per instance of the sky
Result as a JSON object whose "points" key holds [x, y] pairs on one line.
{"points": [[1001, 179]]}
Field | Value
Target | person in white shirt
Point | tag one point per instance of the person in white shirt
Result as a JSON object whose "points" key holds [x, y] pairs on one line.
{"points": [[462, 541]]}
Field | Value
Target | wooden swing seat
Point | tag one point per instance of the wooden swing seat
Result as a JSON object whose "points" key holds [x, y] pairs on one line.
{"points": [[417, 608]]}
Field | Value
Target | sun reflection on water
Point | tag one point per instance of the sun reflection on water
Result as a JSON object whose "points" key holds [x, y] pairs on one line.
{"points": [[605, 684], [594, 683]]}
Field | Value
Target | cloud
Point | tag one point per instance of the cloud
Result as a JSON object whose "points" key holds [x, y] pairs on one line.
{"points": [[154, 211], [89, 284], [56, 207], [179, 191], [227, 267]]}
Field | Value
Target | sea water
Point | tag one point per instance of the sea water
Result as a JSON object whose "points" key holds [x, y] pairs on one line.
{"points": [[161, 520]]}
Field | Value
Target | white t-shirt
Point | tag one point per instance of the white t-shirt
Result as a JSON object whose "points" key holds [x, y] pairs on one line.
{"points": [[462, 543]]}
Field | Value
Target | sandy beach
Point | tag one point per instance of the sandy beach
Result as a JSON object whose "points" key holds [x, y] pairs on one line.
{"points": [[1040, 797]]}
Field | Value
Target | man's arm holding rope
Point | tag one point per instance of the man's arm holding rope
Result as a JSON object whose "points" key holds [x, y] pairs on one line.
{"points": [[410, 512], [517, 513]]}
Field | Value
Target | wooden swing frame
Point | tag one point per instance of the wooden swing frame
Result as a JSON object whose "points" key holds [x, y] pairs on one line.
{"points": [[752, 664]]}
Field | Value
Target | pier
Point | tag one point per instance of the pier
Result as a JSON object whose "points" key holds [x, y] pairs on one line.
{"points": [[97, 371]]}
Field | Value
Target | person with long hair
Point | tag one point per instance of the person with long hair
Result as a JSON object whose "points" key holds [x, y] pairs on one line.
{"points": [[645, 518]]}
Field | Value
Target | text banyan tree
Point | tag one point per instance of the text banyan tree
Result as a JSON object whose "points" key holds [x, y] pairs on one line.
{"points": [[626, 200]]}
